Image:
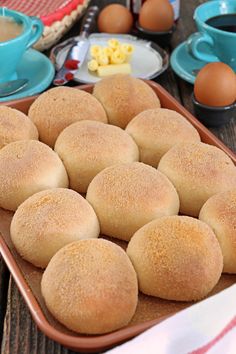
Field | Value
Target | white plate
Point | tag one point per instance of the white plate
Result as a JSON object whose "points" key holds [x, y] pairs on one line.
{"points": [[148, 59]]}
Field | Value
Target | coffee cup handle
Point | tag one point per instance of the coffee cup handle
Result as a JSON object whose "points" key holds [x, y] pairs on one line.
{"points": [[193, 47], [37, 30]]}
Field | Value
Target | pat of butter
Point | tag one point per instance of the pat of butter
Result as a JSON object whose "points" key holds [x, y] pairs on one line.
{"points": [[112, 69]]}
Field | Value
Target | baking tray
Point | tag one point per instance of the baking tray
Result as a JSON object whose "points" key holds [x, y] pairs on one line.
{"points": [[149, 311]]}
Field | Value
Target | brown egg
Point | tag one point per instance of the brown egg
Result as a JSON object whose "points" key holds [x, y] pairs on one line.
{"points": [[215, 85], [115, 18], [156, 15]]}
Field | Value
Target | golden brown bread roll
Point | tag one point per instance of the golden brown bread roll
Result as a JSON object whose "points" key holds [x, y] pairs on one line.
{"points": [[219, 212], [14, 126], [59, 107], [197, 171], [123, 97], [91, 287], [128, 196], [176, 258], [155, 131], [87, 147], [49, 220], [28, 167]]}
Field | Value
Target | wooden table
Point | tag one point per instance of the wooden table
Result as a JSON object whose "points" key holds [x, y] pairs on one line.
{"points": [[18, 333]]}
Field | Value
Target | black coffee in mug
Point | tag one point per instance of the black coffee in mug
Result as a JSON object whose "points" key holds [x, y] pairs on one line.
{"points": [[225, 22]]}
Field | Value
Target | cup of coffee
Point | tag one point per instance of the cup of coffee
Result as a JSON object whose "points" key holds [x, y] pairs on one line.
{"points": [[18, 32], [216, 22]]}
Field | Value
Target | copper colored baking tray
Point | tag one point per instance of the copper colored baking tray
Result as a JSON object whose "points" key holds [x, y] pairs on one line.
{"points": [[150, 310]]}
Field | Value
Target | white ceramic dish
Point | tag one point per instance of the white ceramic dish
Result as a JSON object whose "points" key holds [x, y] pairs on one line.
{"points": [[148, 60]]}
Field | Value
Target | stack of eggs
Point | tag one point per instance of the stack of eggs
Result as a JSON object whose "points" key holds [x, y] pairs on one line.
{"points": [[139, 165]]}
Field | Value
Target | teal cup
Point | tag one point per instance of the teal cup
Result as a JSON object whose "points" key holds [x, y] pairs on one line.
{"points": [[12, 51], [222, 43]]}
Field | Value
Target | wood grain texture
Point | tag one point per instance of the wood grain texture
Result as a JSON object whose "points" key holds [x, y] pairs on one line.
{"points": [[20, 333], [4, 280]]}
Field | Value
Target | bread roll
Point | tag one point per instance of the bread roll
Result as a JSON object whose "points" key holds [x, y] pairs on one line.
{"points": [[197, 171], [59, 107], [28, 167], [14, 126], [126, 197], [49, 220], [87, 147], [123, 97], [91, 287], [219, 212], [155, 131], [176, 258]]}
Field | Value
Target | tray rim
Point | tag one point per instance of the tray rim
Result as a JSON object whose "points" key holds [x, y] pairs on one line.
{"points": [[105, 341]]}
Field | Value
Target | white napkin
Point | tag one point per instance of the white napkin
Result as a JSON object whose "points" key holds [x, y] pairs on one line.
{"points": [[206, 327]]}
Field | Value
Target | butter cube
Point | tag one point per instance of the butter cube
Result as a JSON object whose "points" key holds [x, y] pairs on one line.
{"points": [[112, 69]]}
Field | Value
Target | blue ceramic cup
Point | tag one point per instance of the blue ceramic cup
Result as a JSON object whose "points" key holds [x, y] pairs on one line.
{"points": [[12, 51], [222, 43]]}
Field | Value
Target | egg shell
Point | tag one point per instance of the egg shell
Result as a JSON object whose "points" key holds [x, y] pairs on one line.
{"points": [[215, 85], [156, 15], [115, 18]]}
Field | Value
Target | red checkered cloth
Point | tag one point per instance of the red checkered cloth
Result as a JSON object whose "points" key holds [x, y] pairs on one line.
{"points": [[48, 11]]}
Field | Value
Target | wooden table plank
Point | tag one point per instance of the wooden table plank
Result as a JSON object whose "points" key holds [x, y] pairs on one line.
{"points": [[20, 333], [4, 279]]}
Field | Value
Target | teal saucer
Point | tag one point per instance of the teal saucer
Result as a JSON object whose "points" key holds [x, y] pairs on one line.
{"points": [[38, 69], [183, 63]]}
